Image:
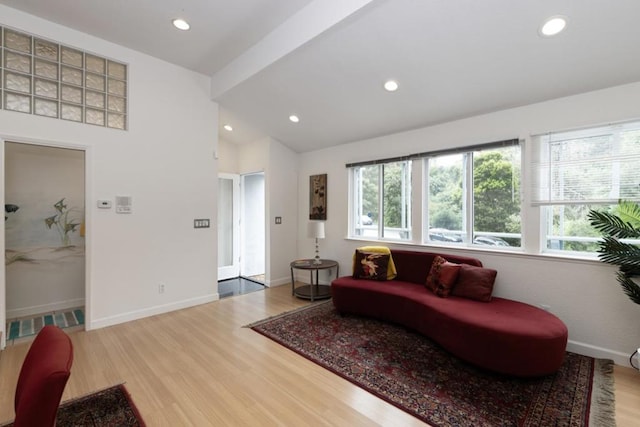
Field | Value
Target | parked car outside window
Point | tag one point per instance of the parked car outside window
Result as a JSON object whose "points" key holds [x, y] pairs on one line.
{"points": [[490, 241], [444, 235]]}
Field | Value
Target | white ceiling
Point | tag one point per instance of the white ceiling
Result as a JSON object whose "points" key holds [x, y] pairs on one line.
{"points": [[326, 63]]}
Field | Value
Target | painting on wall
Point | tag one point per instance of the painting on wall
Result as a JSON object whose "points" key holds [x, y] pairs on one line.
{"points": [[318, 197]]}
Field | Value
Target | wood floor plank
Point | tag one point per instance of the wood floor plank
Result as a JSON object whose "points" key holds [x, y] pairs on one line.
{"points": [[199, 366]]}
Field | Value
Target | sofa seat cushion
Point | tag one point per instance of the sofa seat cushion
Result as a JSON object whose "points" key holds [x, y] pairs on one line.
{"points": [[501, 335]]}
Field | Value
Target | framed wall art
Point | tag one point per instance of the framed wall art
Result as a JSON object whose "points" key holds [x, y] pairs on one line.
{"points": [[318, 197]]}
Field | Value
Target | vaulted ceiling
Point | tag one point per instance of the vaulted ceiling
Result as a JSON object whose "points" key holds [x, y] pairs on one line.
{"points": [[326, 60]]}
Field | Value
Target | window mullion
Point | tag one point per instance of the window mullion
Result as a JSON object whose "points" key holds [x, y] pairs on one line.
{"points": [[615, 165], [403, 197], [381, 201], [467, 190], [359, 207], [532, 229]]}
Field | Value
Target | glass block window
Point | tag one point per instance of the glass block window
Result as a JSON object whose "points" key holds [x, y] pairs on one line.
{"points": [[48, 79]]}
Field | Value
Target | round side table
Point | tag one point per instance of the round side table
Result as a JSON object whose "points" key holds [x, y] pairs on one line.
{"points": [[312, 291]]}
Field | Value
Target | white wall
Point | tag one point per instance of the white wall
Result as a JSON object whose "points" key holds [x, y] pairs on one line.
{"points": [[164, 161], [282, 201], [228, 153], [280, 165], [602, 321]]}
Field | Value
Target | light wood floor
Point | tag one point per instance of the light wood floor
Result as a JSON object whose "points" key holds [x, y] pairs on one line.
{"points": [[200, 367]]}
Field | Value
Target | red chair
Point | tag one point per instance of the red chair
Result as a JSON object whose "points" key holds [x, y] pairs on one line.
{"points": [[42, 379]]}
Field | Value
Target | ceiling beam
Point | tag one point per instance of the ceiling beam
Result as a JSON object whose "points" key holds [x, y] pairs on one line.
{"points": [[309, 22]]}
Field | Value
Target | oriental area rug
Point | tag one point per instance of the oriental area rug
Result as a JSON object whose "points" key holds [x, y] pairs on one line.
{"points": [[413, 373], [110, 407]]}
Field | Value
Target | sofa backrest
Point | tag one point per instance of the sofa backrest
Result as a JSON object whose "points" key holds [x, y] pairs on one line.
{"points": [[414, 266]]}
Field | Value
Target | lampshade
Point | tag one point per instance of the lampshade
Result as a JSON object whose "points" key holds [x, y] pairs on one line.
{"points": [[316, 230]]}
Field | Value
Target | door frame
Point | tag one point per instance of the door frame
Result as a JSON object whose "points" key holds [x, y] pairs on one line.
{"points": [[88, 202]]}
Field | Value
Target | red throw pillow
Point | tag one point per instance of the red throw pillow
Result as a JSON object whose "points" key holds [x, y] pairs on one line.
{"points": [[370, 265], [475, 283], [442, 276]]}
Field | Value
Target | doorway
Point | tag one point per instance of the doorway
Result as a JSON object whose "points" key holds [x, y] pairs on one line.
{"points": [[241, 233], [44, 196]]}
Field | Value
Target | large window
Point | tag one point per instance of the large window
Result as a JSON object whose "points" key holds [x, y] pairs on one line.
{"points": [[473, 196], [582, 170], [381, 204]]}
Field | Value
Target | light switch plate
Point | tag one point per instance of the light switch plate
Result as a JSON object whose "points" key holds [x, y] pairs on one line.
{"points": [[201, 223]]}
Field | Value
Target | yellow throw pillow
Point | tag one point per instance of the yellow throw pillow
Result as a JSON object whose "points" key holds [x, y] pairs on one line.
{"points": [[391, 269]]}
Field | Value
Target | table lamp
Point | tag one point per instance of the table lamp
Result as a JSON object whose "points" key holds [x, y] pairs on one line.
{"points": [[316, 231]]}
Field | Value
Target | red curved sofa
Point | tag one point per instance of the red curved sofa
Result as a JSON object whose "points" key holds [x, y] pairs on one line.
{"points": [[501, 335]]}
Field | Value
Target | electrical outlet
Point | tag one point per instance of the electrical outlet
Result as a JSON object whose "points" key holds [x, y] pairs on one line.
{"points": [[161, 288]]}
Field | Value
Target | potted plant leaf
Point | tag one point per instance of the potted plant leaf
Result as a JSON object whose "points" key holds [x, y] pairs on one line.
{"points": [[617, 225]]}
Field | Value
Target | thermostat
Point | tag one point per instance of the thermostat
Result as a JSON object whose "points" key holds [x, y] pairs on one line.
{"points": [[124, 204]]}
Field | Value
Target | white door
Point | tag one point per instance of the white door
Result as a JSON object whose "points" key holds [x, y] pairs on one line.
{"points": [[228, 226], [253, 225]]}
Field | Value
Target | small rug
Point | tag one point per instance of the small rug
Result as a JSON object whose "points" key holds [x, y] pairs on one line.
{"points": [[27, 327], [416, 375], [110, 407]]}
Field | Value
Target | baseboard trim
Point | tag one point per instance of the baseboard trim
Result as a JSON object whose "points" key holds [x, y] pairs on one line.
{"points": [[279, 282], [44, 308], [618, 358], [148, 312]]}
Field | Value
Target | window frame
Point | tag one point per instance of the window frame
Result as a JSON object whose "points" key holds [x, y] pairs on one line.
{"points": [[468, 233], [355, 207], [540, 159], [533, 218]]}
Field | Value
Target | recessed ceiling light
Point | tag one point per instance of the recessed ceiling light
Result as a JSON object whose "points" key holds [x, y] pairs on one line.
{"points": [[181, 24], [553, 26], [391, 85], [294, 118], [228, 128]]}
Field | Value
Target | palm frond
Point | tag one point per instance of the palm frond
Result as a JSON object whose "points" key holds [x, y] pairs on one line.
{"points": [[631, 288], [610, 224], [613, 251], [622, 223], [628, 212], [630, 270]]}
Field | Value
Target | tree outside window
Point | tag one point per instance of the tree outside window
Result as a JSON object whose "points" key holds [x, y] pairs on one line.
{"points": [[479, 203], [382, 196]]}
